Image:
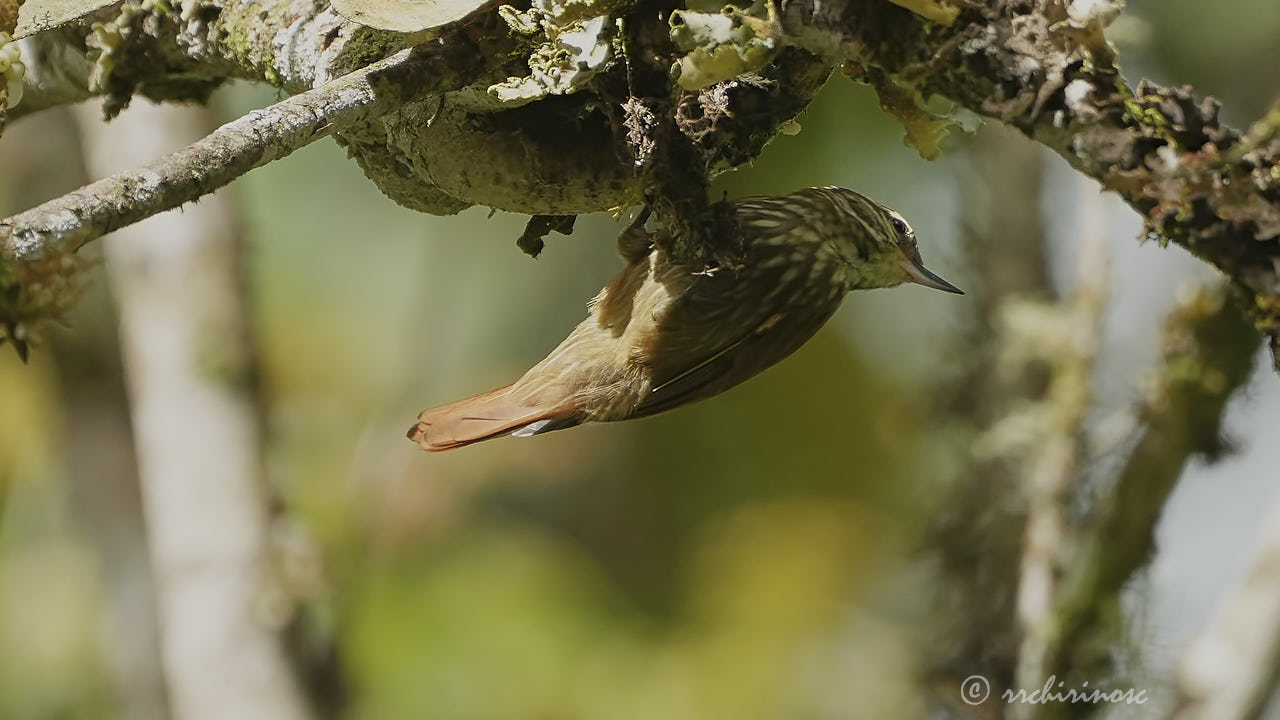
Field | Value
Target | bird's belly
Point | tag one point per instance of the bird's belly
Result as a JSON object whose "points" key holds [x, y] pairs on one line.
{"points": [[602, 368]]}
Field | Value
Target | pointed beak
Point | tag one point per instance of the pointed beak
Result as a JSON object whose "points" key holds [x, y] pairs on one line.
{"points": [[921, 275]]}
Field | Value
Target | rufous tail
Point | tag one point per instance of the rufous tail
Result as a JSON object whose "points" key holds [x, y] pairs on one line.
{"points": [[482, 417]]}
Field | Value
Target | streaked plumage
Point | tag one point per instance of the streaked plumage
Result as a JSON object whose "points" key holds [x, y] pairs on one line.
{"points": [[663, 333]]}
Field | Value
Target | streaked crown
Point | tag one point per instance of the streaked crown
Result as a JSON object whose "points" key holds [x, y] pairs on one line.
{"points": [[875, 244]]}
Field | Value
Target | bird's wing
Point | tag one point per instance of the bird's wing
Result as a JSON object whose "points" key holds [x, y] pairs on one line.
{"points": [[693, 383], [721, 331], [715, 361]]}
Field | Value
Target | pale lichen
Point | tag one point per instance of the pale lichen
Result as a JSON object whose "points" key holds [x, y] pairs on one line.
{"points": [[109, 40], [570, 57], [571, 42], [12, 72], [925, 130], [722, 45]]}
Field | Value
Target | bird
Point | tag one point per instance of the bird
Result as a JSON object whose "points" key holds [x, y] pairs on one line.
{"points": [[666, 332]]}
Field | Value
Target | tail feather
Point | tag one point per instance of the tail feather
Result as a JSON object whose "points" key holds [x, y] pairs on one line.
{"points": [[492, 414]]}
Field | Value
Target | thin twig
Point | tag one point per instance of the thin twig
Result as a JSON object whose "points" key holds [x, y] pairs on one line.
{"points": [[232, 150], [1053, 469]]}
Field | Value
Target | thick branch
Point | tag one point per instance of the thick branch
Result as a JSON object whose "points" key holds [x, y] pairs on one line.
{"points": [[1197, 182], [1163, 150]]}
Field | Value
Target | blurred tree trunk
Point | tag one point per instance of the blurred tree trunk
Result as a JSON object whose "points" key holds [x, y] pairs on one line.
{"points": [[101, 479], [185, 337]]}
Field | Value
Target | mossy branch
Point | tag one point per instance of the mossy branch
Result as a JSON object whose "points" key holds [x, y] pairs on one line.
{"points": [[45, 237], [445, 146], [1196, 181]]}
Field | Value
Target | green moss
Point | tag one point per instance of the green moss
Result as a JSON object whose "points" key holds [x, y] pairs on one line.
{"points": [[367, 46], [1266, 313], [1145, 112]]}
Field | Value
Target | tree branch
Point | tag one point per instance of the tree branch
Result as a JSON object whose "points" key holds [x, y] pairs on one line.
{"points": [[973, 542], [230, 151], [561, 148], [1195, 180]]}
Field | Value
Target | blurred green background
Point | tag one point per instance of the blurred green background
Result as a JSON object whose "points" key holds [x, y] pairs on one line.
{"points": [[723, 561]]}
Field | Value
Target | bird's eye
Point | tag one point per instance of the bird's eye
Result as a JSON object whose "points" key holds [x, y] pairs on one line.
{"points": [[899, 225]]}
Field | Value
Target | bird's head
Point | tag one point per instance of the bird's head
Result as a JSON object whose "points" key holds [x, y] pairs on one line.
{"points": [[877, 245]]}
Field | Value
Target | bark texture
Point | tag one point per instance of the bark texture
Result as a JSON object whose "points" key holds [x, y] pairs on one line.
{"points": [[505, 110]]}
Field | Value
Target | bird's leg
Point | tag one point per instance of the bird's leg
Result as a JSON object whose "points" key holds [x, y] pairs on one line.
{"points": [[668, 161], [635, 242], [730, 246]]}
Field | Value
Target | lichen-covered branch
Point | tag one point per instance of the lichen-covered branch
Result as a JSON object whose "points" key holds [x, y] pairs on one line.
{"points": [[557, 110], [37, 264], [1196, 181]]}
